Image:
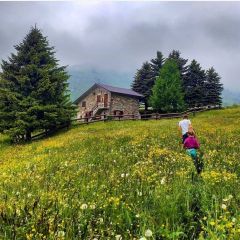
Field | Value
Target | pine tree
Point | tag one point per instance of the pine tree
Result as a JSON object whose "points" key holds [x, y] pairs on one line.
{"points": [[157, 63], [181, 62], [213, 88], [194, 85], [142, 82], [167, 93], [33, 89]]}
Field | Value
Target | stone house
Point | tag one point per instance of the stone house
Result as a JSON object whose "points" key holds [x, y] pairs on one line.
{"points": [[103, 99]]}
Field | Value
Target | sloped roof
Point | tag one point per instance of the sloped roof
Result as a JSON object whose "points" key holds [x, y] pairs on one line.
{"points": [[120, 90], [112, 89]]}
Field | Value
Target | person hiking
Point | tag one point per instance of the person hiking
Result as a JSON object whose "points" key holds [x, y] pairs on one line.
{"points": [[184, 125], [191, 145]]}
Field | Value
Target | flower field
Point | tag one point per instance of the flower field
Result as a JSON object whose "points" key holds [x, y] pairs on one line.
{"points": [[124, 180]]}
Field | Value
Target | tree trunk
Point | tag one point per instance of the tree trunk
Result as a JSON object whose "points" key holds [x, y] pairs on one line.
{"points": [[28, 136], [146, 106]]}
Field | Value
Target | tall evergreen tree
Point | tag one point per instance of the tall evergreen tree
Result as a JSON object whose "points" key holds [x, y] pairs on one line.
{"points": [[142, 82], [194, 85], [157, 63], [33, 89], [167, 93], [213, 88], [181, 62]]}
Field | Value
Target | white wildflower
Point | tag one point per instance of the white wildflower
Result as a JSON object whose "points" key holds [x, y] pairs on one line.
{"points": [[124, 175], [139, 193], [60, 233], [228, 198], [224, 206], [118, 237], [84, 206], [92, 206], [148, 233], [163, 180]]}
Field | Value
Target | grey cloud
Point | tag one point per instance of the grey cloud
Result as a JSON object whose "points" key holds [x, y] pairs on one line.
{"points": [[225, 30], [122, 35]]}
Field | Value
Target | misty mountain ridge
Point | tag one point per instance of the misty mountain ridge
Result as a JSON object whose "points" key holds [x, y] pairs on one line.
{"points": [[83, 78], [230, 97]]}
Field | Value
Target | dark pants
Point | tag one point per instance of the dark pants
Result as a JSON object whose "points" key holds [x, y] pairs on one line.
{"points": [[184, 137]]}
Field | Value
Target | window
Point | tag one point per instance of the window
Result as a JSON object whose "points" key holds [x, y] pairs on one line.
{"points": [[83, 104], [118, 112], [98, 98]]}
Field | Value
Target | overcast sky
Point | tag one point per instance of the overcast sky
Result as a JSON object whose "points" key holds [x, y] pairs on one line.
{"points": [[122, 35]]}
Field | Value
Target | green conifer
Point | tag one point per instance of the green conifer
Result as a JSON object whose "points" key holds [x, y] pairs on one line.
{"points": [[213, 88], [194, 85], [167, 93], [142, 82], [33, 89]]}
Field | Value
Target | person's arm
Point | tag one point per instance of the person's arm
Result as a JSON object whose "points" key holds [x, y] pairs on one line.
{"points": [[190, 127]]}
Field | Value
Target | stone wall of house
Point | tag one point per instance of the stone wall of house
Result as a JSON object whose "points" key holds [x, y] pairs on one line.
{"points": [[91, 101], [127, 104]]}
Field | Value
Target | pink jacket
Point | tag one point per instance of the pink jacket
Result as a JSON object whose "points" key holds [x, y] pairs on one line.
{"points": [[191, 142]]}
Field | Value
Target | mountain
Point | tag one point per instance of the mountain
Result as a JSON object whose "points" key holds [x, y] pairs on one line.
{"points": [[82, 79], [230, 97]]}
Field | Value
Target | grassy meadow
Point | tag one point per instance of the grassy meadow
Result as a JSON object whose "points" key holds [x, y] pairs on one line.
{"points": [[123, 180]]}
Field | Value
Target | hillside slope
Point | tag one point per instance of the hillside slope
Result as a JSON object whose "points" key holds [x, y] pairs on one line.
{"points": [[127, 179]]}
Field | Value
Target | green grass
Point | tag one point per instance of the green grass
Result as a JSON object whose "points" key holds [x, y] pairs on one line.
{"points": [[102, 180]]}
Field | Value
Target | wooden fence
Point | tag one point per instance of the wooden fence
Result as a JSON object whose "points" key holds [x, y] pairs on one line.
{"points": [[150, 116]]}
